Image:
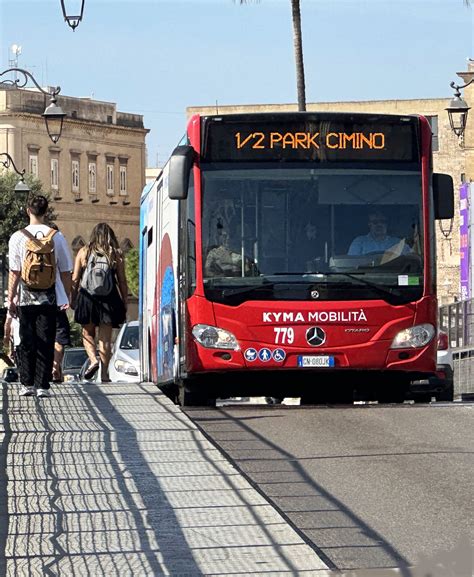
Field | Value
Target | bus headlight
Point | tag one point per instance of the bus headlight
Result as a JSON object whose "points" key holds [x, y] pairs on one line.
{"points": [[414, 337], [215, 338]]}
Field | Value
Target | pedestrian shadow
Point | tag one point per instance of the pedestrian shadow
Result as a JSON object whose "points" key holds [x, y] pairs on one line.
{"points": [[256, 514], [76, 494], [5, 438]]}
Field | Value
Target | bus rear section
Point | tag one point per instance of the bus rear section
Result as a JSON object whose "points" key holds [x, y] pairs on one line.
{"points": [[303, 258]]}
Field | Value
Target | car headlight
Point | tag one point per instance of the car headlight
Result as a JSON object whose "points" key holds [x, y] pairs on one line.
{"points": [[124, 367], [215, 338], [414, 337]]}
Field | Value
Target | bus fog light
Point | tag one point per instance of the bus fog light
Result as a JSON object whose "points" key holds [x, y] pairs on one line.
{"points": [[414, 337], [215, 338]]}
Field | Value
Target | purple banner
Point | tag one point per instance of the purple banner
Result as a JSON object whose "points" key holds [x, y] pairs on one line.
{"points": [[464, 241]]}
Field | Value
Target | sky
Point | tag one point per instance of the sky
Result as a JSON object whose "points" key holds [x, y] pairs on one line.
{"points": [[158, 57]]}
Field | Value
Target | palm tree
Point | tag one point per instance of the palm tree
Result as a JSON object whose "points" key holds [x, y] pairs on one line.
{"points": [[298, 47]]}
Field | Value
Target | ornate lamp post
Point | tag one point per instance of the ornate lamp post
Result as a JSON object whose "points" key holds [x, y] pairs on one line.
{"points": [[21, 189], [53, 114], [458, 110], [72, 21]]}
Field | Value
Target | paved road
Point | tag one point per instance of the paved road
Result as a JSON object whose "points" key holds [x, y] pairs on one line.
{"points": [[369, 486]]}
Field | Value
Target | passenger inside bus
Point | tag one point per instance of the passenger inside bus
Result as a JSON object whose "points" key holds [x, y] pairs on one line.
{"points": [[221, 260], [378, 240]]}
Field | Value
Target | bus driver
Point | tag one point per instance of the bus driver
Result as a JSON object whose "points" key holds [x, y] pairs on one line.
{"points": [[377, 240]]}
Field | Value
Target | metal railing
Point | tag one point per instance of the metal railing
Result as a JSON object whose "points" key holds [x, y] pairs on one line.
{"points": [[457, 320], [463, 372]]}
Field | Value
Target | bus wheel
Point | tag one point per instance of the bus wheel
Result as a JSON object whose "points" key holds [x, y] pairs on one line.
{"points": [[422, 398], [194, 396], [447, 395], [171, 391]]}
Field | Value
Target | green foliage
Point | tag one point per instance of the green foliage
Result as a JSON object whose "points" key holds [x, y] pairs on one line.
{"points": [[76, 332], [131, 270], [12, 213]]}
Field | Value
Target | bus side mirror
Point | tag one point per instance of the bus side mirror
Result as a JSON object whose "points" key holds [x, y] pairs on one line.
{"points": [[443, 196], [181, 163]]}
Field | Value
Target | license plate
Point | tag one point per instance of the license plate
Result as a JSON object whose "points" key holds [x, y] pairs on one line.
{"points": [[316, 361]]}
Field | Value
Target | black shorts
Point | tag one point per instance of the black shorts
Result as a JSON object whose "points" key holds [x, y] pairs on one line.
{"points": [[63, 330]]}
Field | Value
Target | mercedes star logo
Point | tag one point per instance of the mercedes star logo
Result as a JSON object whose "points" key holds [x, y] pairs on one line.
{"points": [[314, 294], [315, 336]]}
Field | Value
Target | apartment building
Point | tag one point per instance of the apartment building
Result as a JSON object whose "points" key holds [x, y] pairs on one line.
{"points": [[96, 171]]}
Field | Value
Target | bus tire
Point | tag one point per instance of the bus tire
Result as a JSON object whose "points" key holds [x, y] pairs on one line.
{"points": [[447, 395], [171, 391], [194, 396]]}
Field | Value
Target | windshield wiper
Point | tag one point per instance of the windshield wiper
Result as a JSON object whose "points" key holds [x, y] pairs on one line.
{"points": [[226, 292], [391, 297]]}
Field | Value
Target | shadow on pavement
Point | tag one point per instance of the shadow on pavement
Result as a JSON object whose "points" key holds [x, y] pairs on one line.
{"points": [[340, 537]]}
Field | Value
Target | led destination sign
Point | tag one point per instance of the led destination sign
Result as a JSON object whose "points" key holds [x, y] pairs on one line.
{"points": [[336, 138], [308, 140]]}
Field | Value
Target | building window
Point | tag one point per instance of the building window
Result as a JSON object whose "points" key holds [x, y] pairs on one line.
{"points": [[110, 179], [433, 120], [75, 175], [55, 174], [33, 164], [92, 177], [123, 180]]}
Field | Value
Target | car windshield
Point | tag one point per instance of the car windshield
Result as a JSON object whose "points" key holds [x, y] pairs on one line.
{"points": [[287, 232], [74, 359], [130, 338]]}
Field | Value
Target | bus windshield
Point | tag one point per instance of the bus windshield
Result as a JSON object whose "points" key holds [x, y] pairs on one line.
{"points": [[273, 233]]}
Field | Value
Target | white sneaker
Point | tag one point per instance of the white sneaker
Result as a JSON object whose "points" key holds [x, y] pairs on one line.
{"points": [[43, 393], [26, 391]]}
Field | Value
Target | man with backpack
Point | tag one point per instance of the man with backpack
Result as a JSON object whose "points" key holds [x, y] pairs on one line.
{"points": [[40, 264]]}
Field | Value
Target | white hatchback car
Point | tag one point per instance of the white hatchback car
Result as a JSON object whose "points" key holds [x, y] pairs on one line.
{"points": [[124, 364]]}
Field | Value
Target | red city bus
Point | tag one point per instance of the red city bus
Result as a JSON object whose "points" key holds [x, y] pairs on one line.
{"points": [[292, 254]]}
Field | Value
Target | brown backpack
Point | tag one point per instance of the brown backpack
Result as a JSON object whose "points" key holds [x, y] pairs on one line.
{"points": [[38, 271]]}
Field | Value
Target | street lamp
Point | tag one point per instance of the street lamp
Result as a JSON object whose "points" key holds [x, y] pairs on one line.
{"points": [[72, 21], [53, 114], [458, 109], [21, 188]]}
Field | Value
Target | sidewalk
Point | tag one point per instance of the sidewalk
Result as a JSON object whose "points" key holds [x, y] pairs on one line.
{"points": [[109, 480]]}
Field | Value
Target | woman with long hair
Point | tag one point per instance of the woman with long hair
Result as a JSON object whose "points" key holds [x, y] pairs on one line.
{"points": [[99, 295]]}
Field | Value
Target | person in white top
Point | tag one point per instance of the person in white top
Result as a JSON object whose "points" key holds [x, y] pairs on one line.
{"points": [[36, 309]]}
